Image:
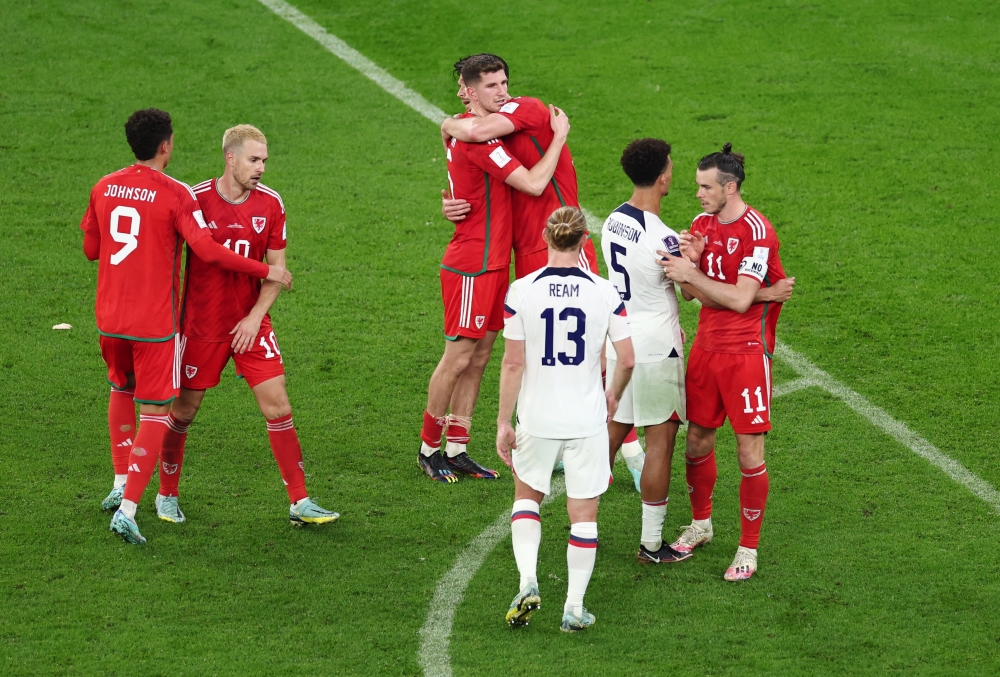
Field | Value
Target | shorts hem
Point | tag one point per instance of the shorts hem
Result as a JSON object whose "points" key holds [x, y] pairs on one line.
{"points": [[705, 425], [157, 402], [751, 432], [114, 385]]}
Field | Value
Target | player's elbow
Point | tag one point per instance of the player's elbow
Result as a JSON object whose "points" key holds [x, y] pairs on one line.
{"points": [[535, 188], [626, 362]]}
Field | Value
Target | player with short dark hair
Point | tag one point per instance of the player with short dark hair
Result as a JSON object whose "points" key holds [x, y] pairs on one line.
{"points": [[730, 252], [225, 317], [134, 225], [474, 279], [557, 321]]}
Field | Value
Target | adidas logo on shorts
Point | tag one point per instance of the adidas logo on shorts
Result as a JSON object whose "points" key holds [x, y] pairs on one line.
{"points": [[757, 420]]}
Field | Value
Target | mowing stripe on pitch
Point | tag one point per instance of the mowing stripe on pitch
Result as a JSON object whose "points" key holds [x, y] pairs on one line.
{"points": [[437, 630]]}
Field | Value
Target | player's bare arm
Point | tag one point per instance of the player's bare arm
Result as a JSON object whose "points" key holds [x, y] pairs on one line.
{"points": [[511, 371], [533, 181], [477, 129], [246, 331], [623, 373], [737, 297], [779, 292], [213, 253]]}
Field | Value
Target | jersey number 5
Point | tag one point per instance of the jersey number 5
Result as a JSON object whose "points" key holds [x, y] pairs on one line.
{"points": [[617, 249], [129, 239], [576, 336]]}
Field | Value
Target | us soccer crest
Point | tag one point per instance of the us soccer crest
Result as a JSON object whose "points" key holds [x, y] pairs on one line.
{"points": [[480, 319], [190, 371], [258, 223], [751, 514], [731, 245]]}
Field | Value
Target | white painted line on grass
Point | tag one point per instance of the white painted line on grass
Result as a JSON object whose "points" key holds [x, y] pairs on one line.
{"points": [[435, 636], [436, 633], [881, 419]]}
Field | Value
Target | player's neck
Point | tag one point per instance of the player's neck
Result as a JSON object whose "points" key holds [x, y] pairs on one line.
{"points": [[647, 199], [733, 210], [159, 163], [230, 189], [558, 259]]}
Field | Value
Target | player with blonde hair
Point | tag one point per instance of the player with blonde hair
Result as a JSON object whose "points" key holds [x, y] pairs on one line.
{"points": [[557, 320]]}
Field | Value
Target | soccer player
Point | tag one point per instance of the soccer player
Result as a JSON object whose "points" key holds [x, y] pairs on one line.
{"points": [[654, 398], [731, 250], [134, 225], [225, 317], [557, 321], [523, 123], [475, 273]]}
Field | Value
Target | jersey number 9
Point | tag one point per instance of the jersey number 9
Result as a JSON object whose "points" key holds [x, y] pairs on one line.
{"points": [[129, 239]]}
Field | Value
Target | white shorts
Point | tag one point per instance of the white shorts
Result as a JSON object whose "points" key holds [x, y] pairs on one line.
{"points": [[654, 394], [586, 461]]}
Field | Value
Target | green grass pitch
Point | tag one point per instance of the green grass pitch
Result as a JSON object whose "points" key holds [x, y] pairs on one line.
{"points": [[871, 135]]}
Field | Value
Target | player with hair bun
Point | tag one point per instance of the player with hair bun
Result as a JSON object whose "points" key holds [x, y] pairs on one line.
{"points": [[730, 264], [557, 320]]}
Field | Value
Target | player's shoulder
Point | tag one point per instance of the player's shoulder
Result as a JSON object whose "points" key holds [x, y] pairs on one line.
{"points": [[203, 187], [757, 224], [628, 213], [522, 104], [175, 186], [702, 219], [271, 195]]}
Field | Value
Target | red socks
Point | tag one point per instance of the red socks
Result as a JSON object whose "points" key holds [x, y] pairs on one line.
{"points": [[631, 437], [144, 454], [288, 454], [121, 427], [458, 429], [172, 455], [431, 432], [753, 498], [701, 475]]}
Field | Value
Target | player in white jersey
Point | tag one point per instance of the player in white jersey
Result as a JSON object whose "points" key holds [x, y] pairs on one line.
{"points": [[654, 398], [557, 320]]}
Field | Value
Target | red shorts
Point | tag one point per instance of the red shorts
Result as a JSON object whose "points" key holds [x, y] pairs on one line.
{"points": [[156, 367], [203, 361], [525, 264], [738, 386], [473, 305]]}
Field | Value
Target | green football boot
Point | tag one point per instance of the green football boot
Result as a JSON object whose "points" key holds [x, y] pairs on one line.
{"points": [[574, 623], [524, 604], [310, 513]]}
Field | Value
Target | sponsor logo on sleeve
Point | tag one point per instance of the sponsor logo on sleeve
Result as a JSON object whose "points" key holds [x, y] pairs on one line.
{"points": [[258, 223], [732, 244], [509, 107], [200, 219], [500, 157]]}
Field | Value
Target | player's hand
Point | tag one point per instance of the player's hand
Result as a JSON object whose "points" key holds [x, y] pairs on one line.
{"points": [[245, 333], [692, 245], [506, 440], [454, 210], [559, 122], [445, 137], [612, 403], [684, 337], [779, 292], [677, 268], [279, 274]]}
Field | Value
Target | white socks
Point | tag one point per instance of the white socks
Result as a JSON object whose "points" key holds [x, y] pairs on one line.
{"points": [[653, 515], [704, 524], [526, 535], [426, 449], [453, 449], [120, 480], [580, 556], [128, 508]]}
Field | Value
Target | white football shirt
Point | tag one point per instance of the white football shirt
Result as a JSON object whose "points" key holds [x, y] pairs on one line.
{"points": [[564, 316], [629, 239]]}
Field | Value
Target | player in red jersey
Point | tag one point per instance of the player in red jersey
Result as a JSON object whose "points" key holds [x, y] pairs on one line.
{"points": [[475, 271], [225, 317], [730, 252], [134, 225], [523, 123]]}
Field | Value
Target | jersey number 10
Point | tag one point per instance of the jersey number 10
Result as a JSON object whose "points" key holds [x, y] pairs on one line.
{"points": [[576, 336]]}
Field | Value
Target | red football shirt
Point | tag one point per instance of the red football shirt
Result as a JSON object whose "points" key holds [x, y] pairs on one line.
{"points": [[140, 215], [215, 300], [532, 135], [476, 174], [747, 246]]}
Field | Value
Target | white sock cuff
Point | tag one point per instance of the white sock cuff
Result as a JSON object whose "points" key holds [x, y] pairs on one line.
{"points": [[631, 449], [524, 507], [584, 529]]}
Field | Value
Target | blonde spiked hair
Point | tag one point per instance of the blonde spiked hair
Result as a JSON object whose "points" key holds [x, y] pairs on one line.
{"points": [[236, 136], [565, 229]]}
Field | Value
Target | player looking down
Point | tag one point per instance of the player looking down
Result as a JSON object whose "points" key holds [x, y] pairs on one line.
{"points": [[557, 321], [729, 253], [475, 273], [654, 398], [225, 317], [134, 225]]}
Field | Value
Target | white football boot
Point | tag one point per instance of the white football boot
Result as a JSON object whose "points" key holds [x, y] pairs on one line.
{"points": [[743, 566], [693, 536]]}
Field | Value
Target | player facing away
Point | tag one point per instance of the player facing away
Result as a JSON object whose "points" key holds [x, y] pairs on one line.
{"points": [[475, 276], [225, 317], [654, 398], [730, 252], [557, 321], [134, 226]]}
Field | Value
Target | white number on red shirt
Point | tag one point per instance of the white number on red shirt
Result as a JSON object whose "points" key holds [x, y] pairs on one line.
{"points": [[712, 273], [128, 239]]}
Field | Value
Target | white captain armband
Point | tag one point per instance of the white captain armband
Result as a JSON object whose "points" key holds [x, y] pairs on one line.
{"points": [[756, 265]]}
